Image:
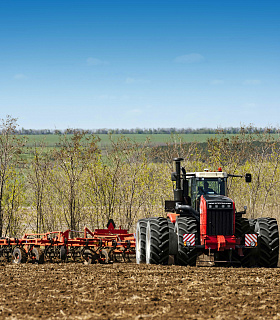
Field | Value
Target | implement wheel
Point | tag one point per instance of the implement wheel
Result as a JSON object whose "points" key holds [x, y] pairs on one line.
{"points": [[157, 241], [185, 256], [37, 255], [141, 240], [19, 255], [88, 257], [104, 257]]}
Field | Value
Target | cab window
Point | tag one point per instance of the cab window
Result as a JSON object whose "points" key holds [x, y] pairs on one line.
{"points": [[210, 186]]}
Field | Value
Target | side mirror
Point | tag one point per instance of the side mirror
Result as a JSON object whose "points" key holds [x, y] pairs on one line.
{"points": [[248, 177], [173, 176]]}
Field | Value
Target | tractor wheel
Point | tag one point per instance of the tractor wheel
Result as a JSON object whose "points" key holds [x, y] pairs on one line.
{"points": [[185, 256], [157, 241], [19, 255], [243, 226], [141, 240], [267, 251], [37, 255], [173, 243], [252, 223]]}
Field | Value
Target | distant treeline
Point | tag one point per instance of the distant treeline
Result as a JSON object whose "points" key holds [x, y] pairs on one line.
{"points": [[230, 130]]}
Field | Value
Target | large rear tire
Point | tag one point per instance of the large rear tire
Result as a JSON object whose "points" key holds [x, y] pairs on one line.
{"points": [[157, 241], [186, 256], [141, 241], [267, 251]]}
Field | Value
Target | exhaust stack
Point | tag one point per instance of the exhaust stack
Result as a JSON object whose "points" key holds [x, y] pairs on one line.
{"points": [[178, 192]]}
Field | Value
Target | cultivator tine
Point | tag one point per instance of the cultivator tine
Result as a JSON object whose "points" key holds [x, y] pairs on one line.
{"points": [[125, 257]]}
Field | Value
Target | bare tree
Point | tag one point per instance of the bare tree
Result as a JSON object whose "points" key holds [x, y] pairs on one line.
{"points": [[175, 147], [38, 179], [72, 157], [10, 149], [14, 195]]}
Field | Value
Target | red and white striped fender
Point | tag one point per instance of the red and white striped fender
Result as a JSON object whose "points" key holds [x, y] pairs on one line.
{"points": [[251, 240], [189, 239]]}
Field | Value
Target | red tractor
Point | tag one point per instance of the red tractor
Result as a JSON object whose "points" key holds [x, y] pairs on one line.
{"points": [[203, 220]]}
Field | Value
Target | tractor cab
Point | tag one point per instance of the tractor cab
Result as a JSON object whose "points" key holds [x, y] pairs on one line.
{"points": [[206, 183]]}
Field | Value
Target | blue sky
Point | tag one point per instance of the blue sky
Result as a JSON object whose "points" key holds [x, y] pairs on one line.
{"points": [[147, 64]]}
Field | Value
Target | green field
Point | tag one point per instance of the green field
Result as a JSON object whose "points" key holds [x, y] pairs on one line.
{"points": [[155, 139], [51, 140]]}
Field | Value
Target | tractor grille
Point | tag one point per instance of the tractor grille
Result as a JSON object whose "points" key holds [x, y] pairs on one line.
{"points": [[219, 222]]}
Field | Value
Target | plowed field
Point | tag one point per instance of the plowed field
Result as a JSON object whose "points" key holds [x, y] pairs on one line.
{"points": [[129, 291]]}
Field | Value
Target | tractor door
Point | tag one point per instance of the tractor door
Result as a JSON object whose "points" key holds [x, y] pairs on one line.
{"points": [[195, 198]]}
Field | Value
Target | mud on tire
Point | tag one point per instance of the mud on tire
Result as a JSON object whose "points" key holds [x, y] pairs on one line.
{"points": [[186, 256], [157, 241]]}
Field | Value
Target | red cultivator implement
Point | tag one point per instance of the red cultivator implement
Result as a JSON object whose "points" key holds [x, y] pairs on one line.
{"points": [[101, 246]]}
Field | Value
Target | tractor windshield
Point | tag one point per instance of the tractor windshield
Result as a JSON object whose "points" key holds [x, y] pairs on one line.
{"points": [[211, 186]]}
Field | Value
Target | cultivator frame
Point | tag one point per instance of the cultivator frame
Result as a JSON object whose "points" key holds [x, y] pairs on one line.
{"points": [[101, 246]]}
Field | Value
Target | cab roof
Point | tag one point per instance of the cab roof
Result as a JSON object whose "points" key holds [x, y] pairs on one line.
{"points": [[207, 174]]}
